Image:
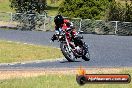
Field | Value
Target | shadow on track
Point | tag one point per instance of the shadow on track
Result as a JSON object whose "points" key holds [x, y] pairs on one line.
{"points": [[64, 61]]}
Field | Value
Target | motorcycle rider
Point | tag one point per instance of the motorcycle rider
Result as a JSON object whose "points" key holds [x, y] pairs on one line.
{"points": [[62, 24], [77, 46]]}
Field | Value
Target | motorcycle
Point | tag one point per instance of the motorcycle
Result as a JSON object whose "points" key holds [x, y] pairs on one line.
{"points": [[73, 47]]}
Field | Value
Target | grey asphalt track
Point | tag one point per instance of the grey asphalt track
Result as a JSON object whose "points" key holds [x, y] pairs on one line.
{"points": [[105, 50]]}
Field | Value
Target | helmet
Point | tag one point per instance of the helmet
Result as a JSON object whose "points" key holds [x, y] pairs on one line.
{"points": [[58, 20]]}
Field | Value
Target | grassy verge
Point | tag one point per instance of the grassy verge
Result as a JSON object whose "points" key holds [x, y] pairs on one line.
{"points": [[52, 9], [5, 6], [57, 81], [14, 52]]}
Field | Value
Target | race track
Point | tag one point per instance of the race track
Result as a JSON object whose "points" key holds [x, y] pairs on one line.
{"points": [[105, 50]]}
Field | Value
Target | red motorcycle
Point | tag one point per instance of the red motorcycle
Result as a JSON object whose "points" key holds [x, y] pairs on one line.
{"points": [[73, 47]]}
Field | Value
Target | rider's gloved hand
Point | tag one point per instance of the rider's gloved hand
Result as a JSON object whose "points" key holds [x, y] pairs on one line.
{"points": [[54, 38]]}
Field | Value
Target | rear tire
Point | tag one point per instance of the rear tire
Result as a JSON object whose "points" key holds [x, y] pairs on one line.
{"points": [[86, 55], [68, 55]]}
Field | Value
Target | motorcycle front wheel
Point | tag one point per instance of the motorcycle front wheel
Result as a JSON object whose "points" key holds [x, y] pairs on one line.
{"points": [[69, 55]]}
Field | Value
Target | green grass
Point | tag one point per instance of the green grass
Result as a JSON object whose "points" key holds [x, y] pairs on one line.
{"points": [[5, 6], [52, 9], [14, 52], [56, 81]]}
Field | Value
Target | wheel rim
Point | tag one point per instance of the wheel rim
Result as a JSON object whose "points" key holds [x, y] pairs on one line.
{"points": [[69, 53], [87, 55]]}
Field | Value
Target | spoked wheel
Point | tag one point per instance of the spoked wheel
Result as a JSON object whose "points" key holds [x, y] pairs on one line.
{"points": [[69, 55]]}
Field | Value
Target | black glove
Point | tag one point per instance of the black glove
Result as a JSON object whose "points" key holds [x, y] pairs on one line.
{"points": [[54, 38]]}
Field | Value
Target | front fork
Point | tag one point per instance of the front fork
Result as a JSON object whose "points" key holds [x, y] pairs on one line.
{"points": [[69, 48]]}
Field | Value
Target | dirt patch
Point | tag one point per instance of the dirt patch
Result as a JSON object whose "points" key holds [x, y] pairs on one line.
{"points": [[7, 23], [1, 0], [9, 74], [4, 24]]}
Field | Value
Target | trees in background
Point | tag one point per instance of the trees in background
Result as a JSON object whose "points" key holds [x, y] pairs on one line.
{"points": [[53, 1], [86, 9], [91, 9], [120, 12], [28, 11], [97, 9], [30, 6]]}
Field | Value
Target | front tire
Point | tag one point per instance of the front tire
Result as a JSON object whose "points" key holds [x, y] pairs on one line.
{"points": [[67, 54]]}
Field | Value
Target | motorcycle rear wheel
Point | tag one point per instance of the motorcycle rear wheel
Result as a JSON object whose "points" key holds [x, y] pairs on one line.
{"points": [[86, 56]]}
